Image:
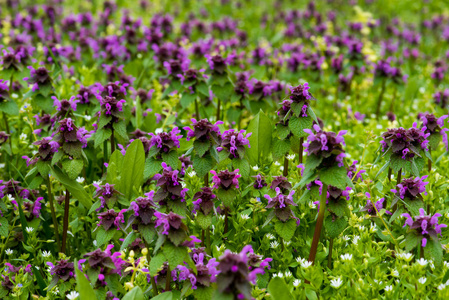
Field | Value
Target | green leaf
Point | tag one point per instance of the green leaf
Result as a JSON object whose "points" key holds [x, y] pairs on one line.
{"points": [[175, 255], [164, 296], [120, 129], [9, 107], [148, 233], [101, 135], [57, 157], [223, 92], [156, 263], [203, 221], [339, 207], [434, 250], [73, 167], [202, 88], [335, 227], [280, 148], [312, 114], [152, 167], [298, 124], [434, 140], [203, 293], [311, 294], [397, 163], [43, 167], [187, 98], [243, 166], [201, 147], [76, 190], [128, 240], [134, 294], [132, 170], [285, 230], [227, 196], [384, 167], [279, 290], [83, 286], [307, 178], [411, 241], [4, 227], [335, 176], [282, 131], [103, 121], [171, 159], [260, 139], [312, 162], [203, 165], [104, 236]]}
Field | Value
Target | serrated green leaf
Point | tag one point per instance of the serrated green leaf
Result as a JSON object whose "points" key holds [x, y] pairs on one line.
{"points": [[152, 167], [203, 165], [9, 107], [73, 167], [104, 236], [120, 129], [411, 241], [298, 124], [4, 227], [280, 148], [223, 92], [175, 255], [204, 221], [156, 263], [335, 176], [187, 98], [282, 131], [335, 227], [312, 162], [128, 240], [171, 159], [243, 166], [148, 233], [279, 290], [201, 147], [285, 230], [227, 196]]}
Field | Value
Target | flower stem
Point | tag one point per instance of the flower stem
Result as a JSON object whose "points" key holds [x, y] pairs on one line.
{"points": [[389, 174], [197, 111], [206, 179], [399, 179], [65, 224], [202, 238], [208, 249], [226, 221], [167, 281], [112, 141], [153, 282], [319, 225], [53, 213], [218, 109], [285, 173], [301, 149], [105, 152], [429, 163], [381, 95], [421, 252], [329, 258]]}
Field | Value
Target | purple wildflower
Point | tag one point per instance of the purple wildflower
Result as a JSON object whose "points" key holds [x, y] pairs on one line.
{"points": [[424, 225], [234, 142]]}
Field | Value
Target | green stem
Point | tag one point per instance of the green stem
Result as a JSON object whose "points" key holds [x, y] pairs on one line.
{"points": [[167, 281], [197, 111], [389, 174], [301, 149], [379, 100], [329, 258], [285, 173], [53, 212], [319, 225], [429, 163], [398, 181], [208, 248], [112, 141], [206, 179], [218, 109], [65, 224], [226, 221], [105, 153]]}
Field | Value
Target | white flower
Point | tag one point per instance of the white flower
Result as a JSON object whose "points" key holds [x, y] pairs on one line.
{"points": [[336, 283], [356, 239], [276, 163], [9, 251], [80, 180], [361, 227], [97, 182], [269, 236], [446, 264], [296, 282], [46, 253], [405, 256], [345, 238], [422, 280], [244, 217], [388, 288], [372, 228], [441, 286], [55, 290], [312, 205], [87, 118], [95, 243], [255, 168], [395, 273], [287, 243], [191, 174], [23, 137], [288, 274], [291, 156], [29, 229], [274, 244], [37, 267], [299, 259], [183, 184], [346, 257], [422, 262], [305, 263], [72, 295], [158, 130], [281, 168], [2, 165], [280, 275]]}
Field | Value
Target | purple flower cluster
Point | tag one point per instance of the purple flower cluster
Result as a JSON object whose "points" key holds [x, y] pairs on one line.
{"points": [[281, 204], [170, 188], [144, 209], [405, 142], [38, 78], [372, 208], [260, 182], [411, 188], [234, 141], [281, 182], [204, 131], [71, 138], [110, 218], [327, 145], [238, 270], [47, 147], [206, 272], [106, 193], [166, 141], [424, 225], [225, 179], [171, 225], [435, 125], [203, 201]]}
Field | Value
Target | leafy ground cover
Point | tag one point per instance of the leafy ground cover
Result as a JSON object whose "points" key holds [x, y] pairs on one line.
{"points": [[224, 150]]}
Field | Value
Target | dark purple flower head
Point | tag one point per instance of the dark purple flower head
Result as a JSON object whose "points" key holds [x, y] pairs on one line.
{"points": [[106, 193], [111, 217], [235, 275], [110, 106], [65, 108], [170, 189], [353, 173], [3, 137], [144, 95], [38, 77], [217, 64], [328, 145], [281, 204], [441, 98], [411, 188], [144, 209], [13, 188], [186, 162], [63, 270], [100, 260], [47, 147], [382, 68], [10, 60], [203, 131], [171, 225], [434, 125], [166, 141], [234, 142], [205, 274], [203, 201], [424, 225], [226, 180], [176, 67], [405, 142], [33, 208], [71, 138], [260, 182], [85, 95], [371, 208], [112, 89], [281, 182], [4, 90]]}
